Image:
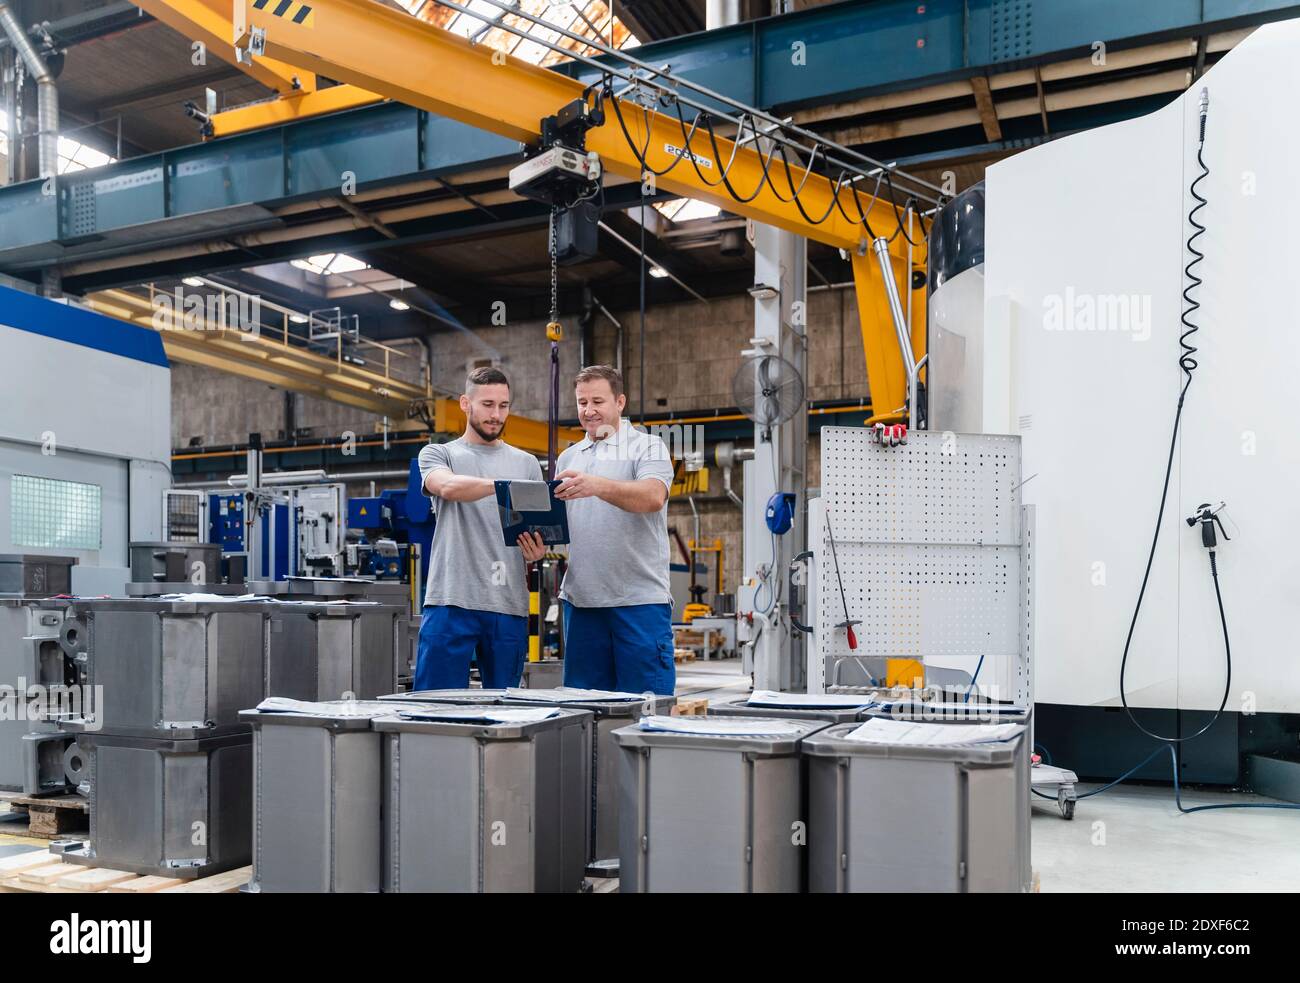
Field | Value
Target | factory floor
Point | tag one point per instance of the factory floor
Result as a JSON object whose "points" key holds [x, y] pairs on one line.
{"points": [[1130, 839]]}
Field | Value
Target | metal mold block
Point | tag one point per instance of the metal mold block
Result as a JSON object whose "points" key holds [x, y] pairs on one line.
{"points": [[333, 651], [602, 834], [317, 801], [35, 576], [171, 808], [543, 674], [951, 818], [711, 813], [29, 642], [486, 808], [17, 720], [831, 715], [173, 669], [453, 697]]}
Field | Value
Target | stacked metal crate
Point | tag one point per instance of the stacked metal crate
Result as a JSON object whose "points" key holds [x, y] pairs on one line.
{"points": [[374, 607], [32, 670], [168, 762], [317, 796]]}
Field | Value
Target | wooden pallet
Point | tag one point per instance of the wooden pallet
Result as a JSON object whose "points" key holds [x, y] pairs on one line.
{"points": [[690, 707], [53, 815], [683, 655], [45, 873]]}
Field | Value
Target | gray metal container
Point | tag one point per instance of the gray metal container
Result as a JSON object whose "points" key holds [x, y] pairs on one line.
{"points": [[474, 807], [450, 697], [29, 642], [317, 800], [35, 576], [30, 656], [178, 562], [333, 651], [156, 589], [711, 813], [52, 762], [602, 833], [172, 808], [831, 715], [332, 589], [883, 817], [170, 669], [18, 718], [543, 674]]}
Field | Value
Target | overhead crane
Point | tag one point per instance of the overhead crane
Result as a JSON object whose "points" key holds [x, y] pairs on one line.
{"points": [[376, 52]]}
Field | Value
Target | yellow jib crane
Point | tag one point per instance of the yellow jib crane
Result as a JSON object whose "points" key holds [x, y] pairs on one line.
{"points": [[378, 53]]}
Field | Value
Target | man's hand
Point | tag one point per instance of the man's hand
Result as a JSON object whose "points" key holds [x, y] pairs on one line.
{"points": [[530, 543], [578, 484]]}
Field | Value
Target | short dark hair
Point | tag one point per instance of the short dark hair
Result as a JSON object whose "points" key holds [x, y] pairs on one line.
{"points": [[607, 372], [486, 375]]}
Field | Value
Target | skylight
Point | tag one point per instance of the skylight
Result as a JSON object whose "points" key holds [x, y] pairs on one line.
{"points": [[327, 263], [586, 18], [73, 155], [685, 209]]}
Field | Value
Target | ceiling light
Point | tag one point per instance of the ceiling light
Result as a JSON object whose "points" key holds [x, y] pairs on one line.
{"points": [[399, 305], [658, 272], [192, 281], [298, 318]]}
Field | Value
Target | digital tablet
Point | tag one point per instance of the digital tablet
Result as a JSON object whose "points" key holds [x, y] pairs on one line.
{"points": [[531, 506]]}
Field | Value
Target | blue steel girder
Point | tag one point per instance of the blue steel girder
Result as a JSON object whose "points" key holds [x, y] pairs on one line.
{"points": [[826, 54]]}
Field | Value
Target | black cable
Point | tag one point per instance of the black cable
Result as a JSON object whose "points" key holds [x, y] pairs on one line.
{"points": [[1188, 363], [640, 151]]}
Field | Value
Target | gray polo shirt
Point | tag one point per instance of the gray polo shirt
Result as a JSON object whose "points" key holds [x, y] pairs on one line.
{"points": [[617, 558], [470, 565]]}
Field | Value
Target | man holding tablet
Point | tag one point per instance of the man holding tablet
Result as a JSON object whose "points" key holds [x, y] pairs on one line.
{"points": [[477, 596], [618, 631]]}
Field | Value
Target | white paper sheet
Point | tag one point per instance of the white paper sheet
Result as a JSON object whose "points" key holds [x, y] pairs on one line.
{"points": [[733, 726], [207, 598], [808, 701], [484, 714], [568, 694], [332, 708], [904, 733]]}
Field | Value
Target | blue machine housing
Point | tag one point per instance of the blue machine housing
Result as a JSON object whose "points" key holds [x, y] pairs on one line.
{"points": [[228, 528], [403, 515]]}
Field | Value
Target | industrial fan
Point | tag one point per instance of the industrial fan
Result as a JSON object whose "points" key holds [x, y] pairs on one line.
{"points": [[768, 390]]}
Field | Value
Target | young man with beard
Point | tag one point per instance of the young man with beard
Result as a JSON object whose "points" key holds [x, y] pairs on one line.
{"points": [[477, 596], [618, 631]]}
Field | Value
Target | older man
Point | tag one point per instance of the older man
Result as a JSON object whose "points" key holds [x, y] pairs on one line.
{"points": [[617, 603], [476, 601]]}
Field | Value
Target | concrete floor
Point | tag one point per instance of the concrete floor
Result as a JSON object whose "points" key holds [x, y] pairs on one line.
{"points": [[1130, 839]]}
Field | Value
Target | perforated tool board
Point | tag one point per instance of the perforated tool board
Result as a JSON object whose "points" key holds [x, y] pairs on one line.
{"points": [[933, 547]]}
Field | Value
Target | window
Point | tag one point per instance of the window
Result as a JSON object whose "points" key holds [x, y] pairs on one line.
{"points": [[51, 514]]}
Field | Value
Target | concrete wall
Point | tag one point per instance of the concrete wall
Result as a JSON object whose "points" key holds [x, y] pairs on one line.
{"points": [[693, 353]]}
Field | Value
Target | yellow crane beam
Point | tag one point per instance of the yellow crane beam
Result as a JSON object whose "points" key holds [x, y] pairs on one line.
{"points": [[387, 51], [208, 22], [379, 52]]}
